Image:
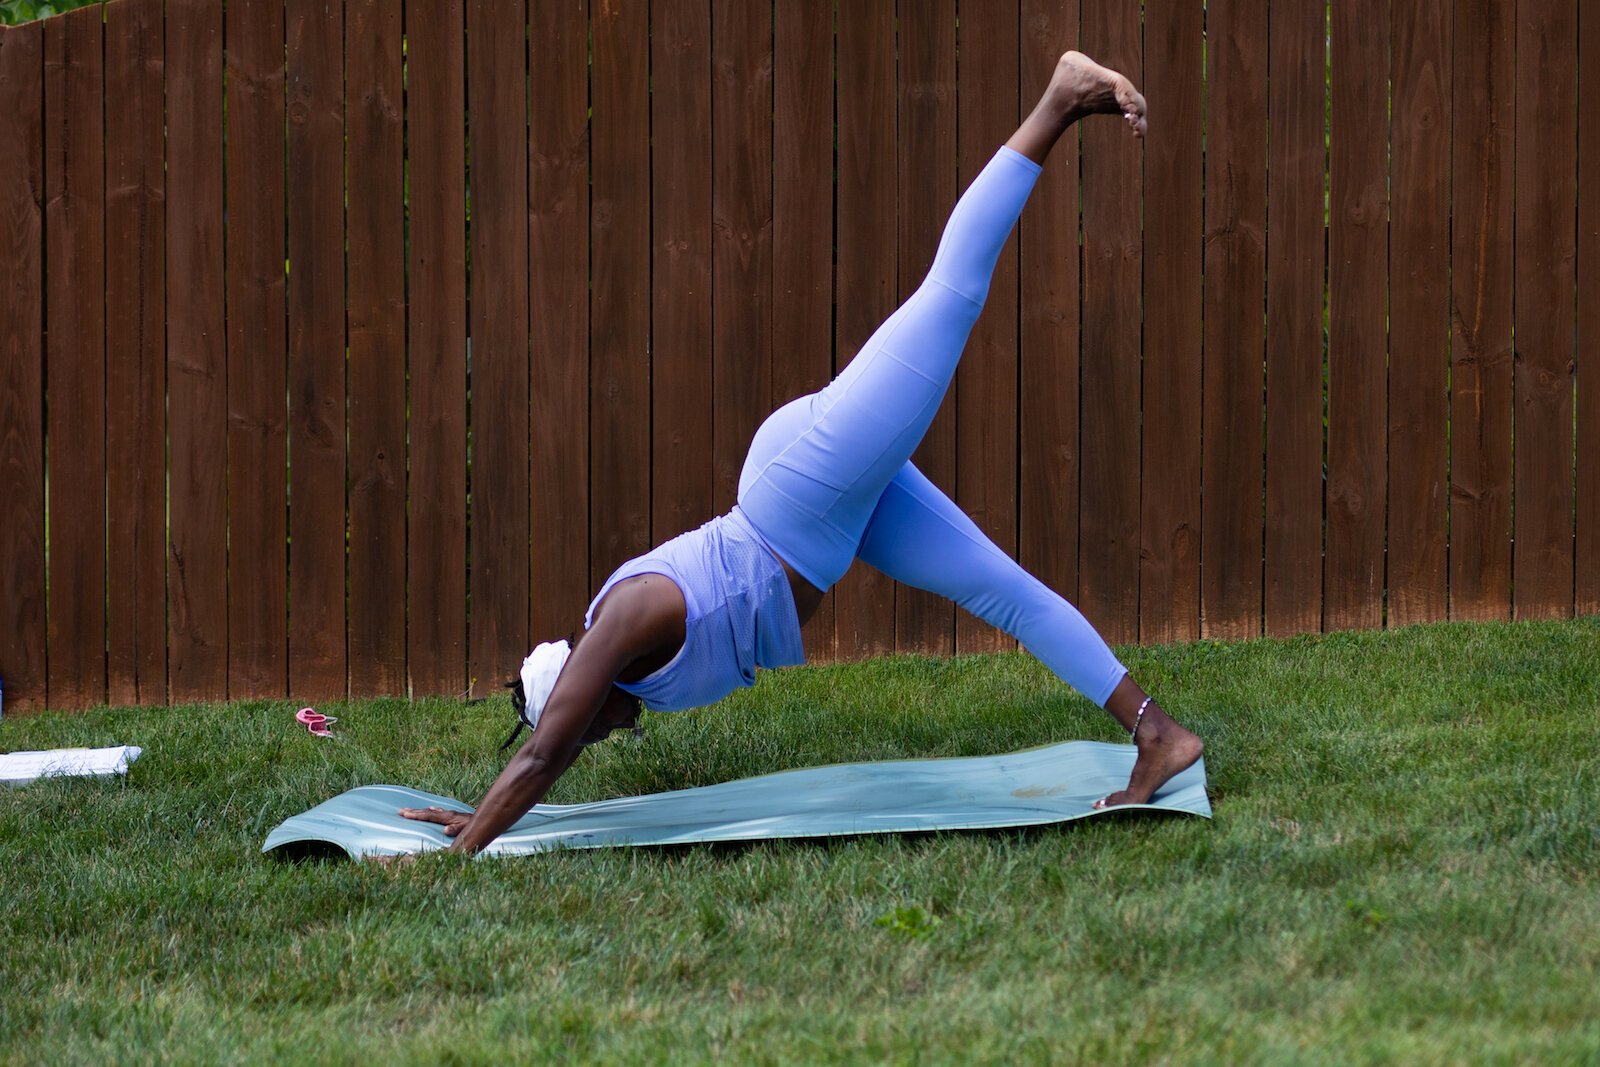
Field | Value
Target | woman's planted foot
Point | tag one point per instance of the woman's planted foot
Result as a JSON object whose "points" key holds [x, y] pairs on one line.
{"points": [[1165, 750]]}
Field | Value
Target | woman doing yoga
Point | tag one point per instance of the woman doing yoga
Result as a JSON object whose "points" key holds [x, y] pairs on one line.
{"points": [[829, 480]]}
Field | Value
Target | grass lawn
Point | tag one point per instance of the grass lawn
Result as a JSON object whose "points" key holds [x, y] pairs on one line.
{"points": [[1404, 867]]}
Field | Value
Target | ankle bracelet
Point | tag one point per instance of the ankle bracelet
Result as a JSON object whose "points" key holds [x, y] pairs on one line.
{"points": [[1133, 734]]}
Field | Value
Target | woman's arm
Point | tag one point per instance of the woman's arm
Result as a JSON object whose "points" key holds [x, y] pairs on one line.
{"points": [[584, 684], [643, 619]]}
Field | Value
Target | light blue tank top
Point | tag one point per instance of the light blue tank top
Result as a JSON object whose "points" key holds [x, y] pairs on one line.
{"points": [[741, 613]]}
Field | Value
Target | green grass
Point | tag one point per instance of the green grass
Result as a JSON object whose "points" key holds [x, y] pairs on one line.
{"points": [[1402, 868]]}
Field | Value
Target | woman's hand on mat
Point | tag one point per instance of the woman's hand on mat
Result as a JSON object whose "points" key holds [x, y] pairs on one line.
{"points": [[452, 821]]}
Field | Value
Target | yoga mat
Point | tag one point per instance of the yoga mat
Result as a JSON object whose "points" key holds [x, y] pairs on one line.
{"points": [[1058, 783]]}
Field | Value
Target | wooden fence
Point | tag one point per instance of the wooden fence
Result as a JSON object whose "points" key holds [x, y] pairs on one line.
{"points": [[346, 347]]}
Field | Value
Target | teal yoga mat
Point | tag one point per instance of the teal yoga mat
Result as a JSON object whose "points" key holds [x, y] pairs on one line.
{"points": [[1058, 783]]}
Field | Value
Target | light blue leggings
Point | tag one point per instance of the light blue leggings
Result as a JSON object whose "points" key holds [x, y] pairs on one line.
{"points": [[829, 478]]}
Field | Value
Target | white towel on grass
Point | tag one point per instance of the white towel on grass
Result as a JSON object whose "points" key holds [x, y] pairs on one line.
{"points": [[18, 768]]}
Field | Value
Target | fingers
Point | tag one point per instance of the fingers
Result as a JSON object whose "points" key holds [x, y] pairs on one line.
{"points": [[442, 816]]}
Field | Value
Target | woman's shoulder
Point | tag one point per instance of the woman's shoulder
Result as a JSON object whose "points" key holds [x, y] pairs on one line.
{"points": [[640, 613]]}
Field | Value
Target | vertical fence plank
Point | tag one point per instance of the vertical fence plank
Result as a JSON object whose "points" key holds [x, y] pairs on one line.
{"points": [[1358, 273], [316, 300], [985, 387], [75, 355], [1587, 563], [1419, 247], [1048, 328], [681, 346], [1546, 196], [619, 441], [197, 564], [741, 246], [1482, 139], [136, 439], [864, 285], [22, 574], [1170, 517], [1296, 262], [1112, 264], [927, 174], [802, 224], [374, 168], [1235, 266], [436, 552], [498, 309], [258, 636], [558, 285]]}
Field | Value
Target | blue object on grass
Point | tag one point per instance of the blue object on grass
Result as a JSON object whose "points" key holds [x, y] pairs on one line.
{"points": [[1054, 784]]}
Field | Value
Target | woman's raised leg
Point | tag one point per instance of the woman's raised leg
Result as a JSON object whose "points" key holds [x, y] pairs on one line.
{"points": [[818, 465]]}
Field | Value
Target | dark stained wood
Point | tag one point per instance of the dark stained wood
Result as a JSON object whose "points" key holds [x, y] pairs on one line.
{"points": [[1358, 282], [316, 299], [258, 634], [1235, 266], [498, 306], [1587, 545], [197, 560], [436, 576], [376, 318], [864, 285], [136, 381], [681, 389], [1546, 196], [1483, 141], [741, 245], [1170, 522], [22, 487], [925, 622], [1296, 268], [619, 434], [558, 285], [802, 224], [1112, 268], [985, 389], [1419, 327], [75, 355], [1048, 328], [713, 300]]}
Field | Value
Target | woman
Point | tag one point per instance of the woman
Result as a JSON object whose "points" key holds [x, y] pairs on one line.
{"points": [[828, 480]]}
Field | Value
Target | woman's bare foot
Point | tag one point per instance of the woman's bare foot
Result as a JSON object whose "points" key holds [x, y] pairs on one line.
{"points": [[1165, 749], [1080, 87]]}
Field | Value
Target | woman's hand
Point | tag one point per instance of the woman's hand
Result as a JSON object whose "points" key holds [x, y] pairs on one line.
{"points": [[452, 821]]}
